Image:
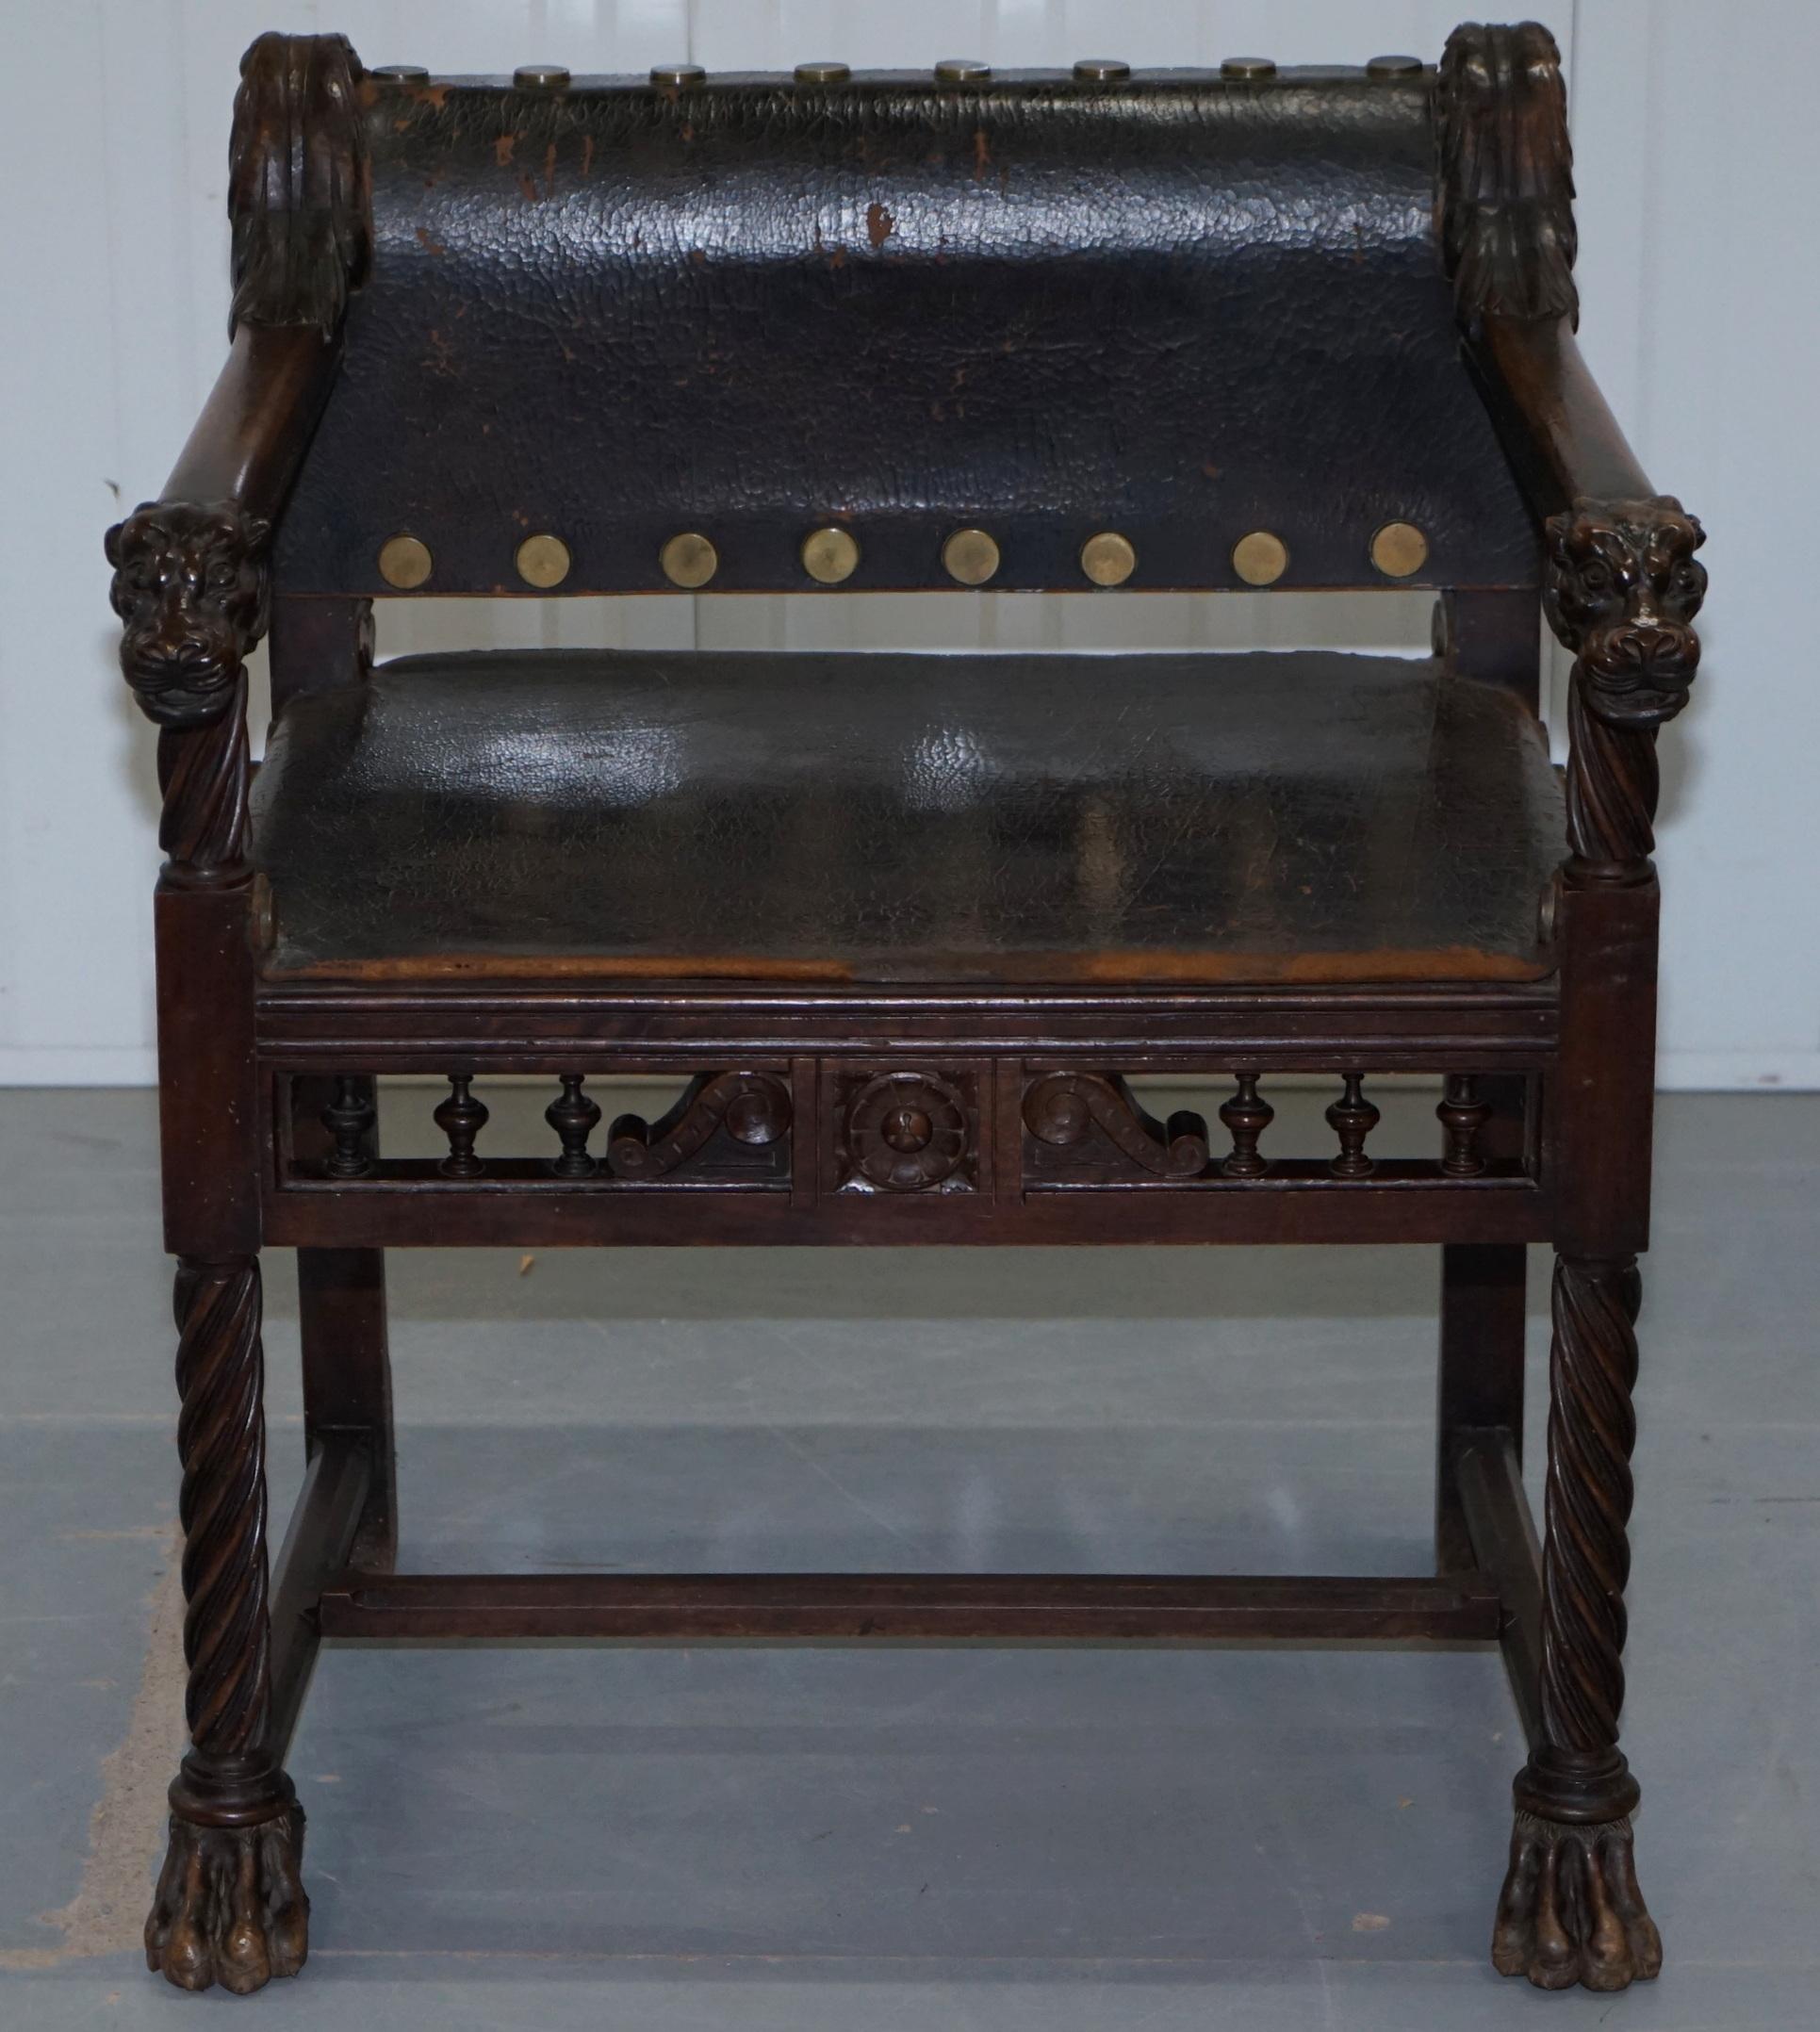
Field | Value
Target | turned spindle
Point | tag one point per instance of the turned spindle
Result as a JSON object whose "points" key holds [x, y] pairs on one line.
{"points": [[1246, 1116], [1352, 1117], [348, 1119], [461, 1118], [574, 1117], [1461, 1114]]}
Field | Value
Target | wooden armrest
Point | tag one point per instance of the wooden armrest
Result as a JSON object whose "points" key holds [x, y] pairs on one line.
{"points": [[1556, 425], [253, 429], [1622, 588], [191, 585]]}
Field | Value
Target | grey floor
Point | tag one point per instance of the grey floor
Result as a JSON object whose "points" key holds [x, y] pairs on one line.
{"points": [[585, 1837]]}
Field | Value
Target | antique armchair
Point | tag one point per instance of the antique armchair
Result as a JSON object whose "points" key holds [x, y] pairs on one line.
{"points": [[900, 930]]}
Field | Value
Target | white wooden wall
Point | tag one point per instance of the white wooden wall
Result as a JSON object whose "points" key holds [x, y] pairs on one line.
{"points": [[1699, 174]]}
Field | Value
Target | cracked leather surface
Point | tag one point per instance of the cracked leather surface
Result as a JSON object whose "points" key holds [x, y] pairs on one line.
{"points": [[1182, 308], [906, 818]]}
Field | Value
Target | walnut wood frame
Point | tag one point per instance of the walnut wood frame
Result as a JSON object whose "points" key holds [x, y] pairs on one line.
{"points": [[800, 1115]]}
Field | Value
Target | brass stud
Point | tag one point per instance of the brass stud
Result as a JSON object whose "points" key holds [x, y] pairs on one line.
{"points": [[1108, 559], [1399, 549], [971, 556], [963, 71], [1101, 70], [679, 75], [689, 560], [540, 78], [400, 73], [1260, 559], [1383, 67], [822, 73], [1248, 67], [405, 563], [543, 560], [830, 555]]}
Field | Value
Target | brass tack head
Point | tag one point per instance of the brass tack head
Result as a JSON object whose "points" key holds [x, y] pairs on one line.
{"points": [[1108, 559], [543, 560], [1260, 559], [405, 563], [1101, 70], [963, 71], [400, 73], [1248, 67], [1394, 67], [830, 555], [971, 556], [540, 78], [689, 560], [681, 75], [822, 73], [1399, 550]]}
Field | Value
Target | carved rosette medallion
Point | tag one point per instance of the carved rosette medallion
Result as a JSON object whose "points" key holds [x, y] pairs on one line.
{"points": [[908, 1132]]}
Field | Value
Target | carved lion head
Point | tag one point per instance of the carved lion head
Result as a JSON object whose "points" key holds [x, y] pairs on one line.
{"points": [[189, 583], [1624, 586]]}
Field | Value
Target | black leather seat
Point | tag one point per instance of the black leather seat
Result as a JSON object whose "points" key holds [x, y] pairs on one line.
{"points": [[910, 818]]}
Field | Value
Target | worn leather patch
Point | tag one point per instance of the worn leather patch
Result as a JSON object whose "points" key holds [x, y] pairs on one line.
{"points": [[880, 818], [1182, 309]]}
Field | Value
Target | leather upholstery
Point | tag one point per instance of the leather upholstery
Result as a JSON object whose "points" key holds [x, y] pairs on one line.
{"points": [[1180, 307], [906, 818]]}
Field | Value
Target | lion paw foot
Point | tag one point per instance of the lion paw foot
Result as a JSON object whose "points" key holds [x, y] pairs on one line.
{"points": [[230, 1907], [1571, 1911]]}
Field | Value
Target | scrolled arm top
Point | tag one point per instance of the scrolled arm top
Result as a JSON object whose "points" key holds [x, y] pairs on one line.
{"points": [[191, 585]]}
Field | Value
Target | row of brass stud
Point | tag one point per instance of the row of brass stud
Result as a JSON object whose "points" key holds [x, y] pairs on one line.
{"points": [[349, 1117], [950, 70], [970, 556]]}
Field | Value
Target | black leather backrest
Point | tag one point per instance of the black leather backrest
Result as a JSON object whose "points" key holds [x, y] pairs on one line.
{"points": [[1179, 308]]}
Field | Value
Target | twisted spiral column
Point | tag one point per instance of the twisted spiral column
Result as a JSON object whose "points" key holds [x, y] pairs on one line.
{"points": [[228, 1778], [1577, 1772], [204, 775], [1613, 789]]}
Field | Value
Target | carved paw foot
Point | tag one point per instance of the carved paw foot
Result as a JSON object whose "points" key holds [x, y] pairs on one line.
{"points": [[1571, 1911], [230, 1907]]}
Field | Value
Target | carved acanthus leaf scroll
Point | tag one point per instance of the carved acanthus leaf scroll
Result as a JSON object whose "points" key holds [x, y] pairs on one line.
{"points": [[299, 195], [1506, 188], [1063, 1108], [751, 1108]]}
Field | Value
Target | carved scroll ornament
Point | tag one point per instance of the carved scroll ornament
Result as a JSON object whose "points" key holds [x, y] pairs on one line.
{"points": [[751, 1108], [1506, 184], [1623, 588], [299, 196], [1062, 1109], [191, 585]]}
